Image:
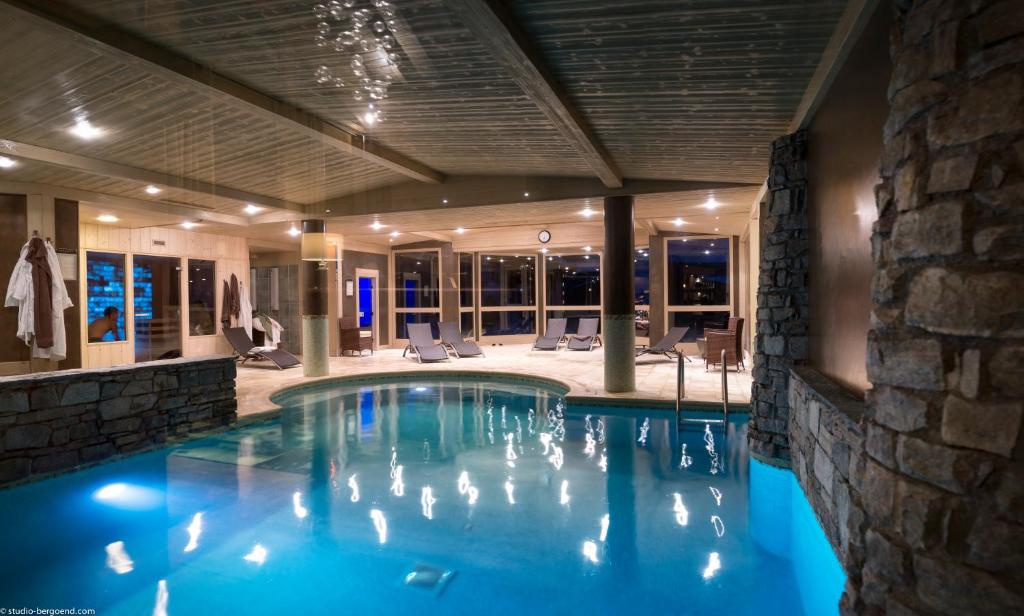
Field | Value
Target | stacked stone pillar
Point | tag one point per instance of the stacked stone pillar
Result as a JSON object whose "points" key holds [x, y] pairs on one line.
{"points": [[781, 339], [943, 482]]}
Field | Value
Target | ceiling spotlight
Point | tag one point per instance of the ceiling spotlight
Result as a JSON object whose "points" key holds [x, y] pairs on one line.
{"points": [[252, 209], [376, 226], [294, 231], [544, 250], [711, 203], [395, 234], [587, 248], [526, 194], [188, 224], [152, 190], [444, 201], [369, 118], [587, 212], [106, 218], [679, 222], [716, 229], [707, 252], [460, 230], [84, 130], [6, 163]]}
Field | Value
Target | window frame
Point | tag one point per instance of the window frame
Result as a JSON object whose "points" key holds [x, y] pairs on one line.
{"points": [[393, 304], [187, 299], [668, 308], [599, 307], [535, 308], [128, 309]]}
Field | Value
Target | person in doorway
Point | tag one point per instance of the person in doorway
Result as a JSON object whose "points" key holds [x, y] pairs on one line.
{"points": [[107, 323]]}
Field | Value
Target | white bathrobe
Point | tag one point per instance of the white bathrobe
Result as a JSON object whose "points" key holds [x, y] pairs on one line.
{"points": [[244, 310], [273, 337], [21, 296]]}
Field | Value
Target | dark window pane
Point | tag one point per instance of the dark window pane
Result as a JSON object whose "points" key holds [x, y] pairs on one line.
{"points": [[698, 272], [403, 318], [202, 297], [465, 279], [507, 280], [697, 321], [642, 277], [104, 293], [643, 322], [416, 280], [466, 325], [573, 280], [574, 316], [157, 304], [508, 323]]}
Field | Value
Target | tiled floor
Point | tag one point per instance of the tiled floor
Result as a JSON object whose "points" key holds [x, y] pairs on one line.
{"points": [[582, 372]]}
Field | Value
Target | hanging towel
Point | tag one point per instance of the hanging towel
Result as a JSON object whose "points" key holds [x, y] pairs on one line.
{"points": [[225, 305], [244, 310], [235, 302], [42, 293], [21, 294], [61, 302]]}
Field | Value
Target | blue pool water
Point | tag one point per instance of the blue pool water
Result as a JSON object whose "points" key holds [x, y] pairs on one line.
{"points": [[455, 497]]}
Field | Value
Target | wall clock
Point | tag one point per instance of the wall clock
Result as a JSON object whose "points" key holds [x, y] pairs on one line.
{"points": [[544, 236]]}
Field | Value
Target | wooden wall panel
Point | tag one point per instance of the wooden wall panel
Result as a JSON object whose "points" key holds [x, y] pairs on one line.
{"points": [[13, 212]]}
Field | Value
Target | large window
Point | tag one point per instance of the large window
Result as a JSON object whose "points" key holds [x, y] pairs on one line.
{"points": [[467, 294], [508, 295], [642, 291], [417, 289], [202, 297], [697, 283], [105, 296], [572, 286]]}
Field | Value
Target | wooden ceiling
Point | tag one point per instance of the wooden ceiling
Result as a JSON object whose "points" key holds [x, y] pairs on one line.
{"points": [[673, 89]]}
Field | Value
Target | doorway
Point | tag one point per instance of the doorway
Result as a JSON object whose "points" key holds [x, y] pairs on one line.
{"points": [[367, 303], [157, 303]]}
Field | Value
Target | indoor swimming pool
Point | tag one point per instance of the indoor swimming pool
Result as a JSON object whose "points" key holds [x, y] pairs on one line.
{"points": [[437, 496]]}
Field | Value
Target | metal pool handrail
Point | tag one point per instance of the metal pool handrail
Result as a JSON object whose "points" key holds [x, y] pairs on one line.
{"points": [[681, 390]]}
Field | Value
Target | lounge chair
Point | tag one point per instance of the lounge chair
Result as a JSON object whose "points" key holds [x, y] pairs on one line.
{"points": [[730, 339], [452, 338], [421, 342], [667, 345], [585, 337], [246, 350], [553, 335]]}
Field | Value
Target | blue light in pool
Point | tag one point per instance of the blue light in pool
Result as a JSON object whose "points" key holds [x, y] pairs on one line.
{"points": [[128, 496], [419, 389]]}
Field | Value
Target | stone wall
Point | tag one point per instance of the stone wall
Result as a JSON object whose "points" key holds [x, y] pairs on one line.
{"points": [[944, 471], [55, 421], [827, 444], [781, 340]]}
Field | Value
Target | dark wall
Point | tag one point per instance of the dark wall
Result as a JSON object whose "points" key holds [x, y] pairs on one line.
{"points": [[352, 260], [14, 214], [66, 238], [844, 150]]}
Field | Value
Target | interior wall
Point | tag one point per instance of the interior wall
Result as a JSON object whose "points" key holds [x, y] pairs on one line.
{"points": [[352, 260], [845, 146], [288, 310]]}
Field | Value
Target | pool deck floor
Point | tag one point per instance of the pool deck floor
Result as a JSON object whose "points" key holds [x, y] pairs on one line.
{"points": [[582, 372]]}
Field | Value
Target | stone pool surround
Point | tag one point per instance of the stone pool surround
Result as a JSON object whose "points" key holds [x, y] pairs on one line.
{"points": [[920, 488], [57, 421]]}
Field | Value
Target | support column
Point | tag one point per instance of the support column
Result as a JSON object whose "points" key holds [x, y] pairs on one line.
{"points": [[315, 332], [617, 280]]}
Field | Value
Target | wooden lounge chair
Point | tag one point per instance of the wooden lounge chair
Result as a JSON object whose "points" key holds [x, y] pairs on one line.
{"points": [[730, 339], [585, 337], [553, 335], [352, 338], [421, 342], [667, 345], [246, 350], [452, 338]]}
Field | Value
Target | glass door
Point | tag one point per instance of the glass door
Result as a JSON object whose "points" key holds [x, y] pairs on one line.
{"points": [[157, 284]]}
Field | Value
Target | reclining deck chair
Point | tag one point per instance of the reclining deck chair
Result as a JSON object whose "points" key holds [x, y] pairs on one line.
{"points": [[246, 350], [421, 342], [553, 335], [667, 345], [452, 338], [585, 337]]}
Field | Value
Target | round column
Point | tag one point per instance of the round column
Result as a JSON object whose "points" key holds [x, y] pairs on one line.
{"points": [[315, 332], [617, 273]]}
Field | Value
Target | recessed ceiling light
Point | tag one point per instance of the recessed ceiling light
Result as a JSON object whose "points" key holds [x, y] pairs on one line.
{"points": [[395, 234], [294, 231], [106, 218], [376, 226], [7, 163], [152, 190], [587, 248], [716, 229], [711, 203], [679, 222], [85, 130], [460, 230], [369, 118], [188, 224], [544, 250], [444, 201], [587, 212], [252, 209], [526, 194], [707, 252]]}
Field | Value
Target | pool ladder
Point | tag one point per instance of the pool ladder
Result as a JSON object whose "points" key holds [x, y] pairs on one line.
{"points": [[681, 391]]}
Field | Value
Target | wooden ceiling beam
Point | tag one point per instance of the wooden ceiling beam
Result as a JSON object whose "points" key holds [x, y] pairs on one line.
{"points": [[105, 168], [494, 27], [112, 41]]}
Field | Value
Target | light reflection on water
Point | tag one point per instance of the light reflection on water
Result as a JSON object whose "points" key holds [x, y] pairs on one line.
{"points": [[354, 491]]}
